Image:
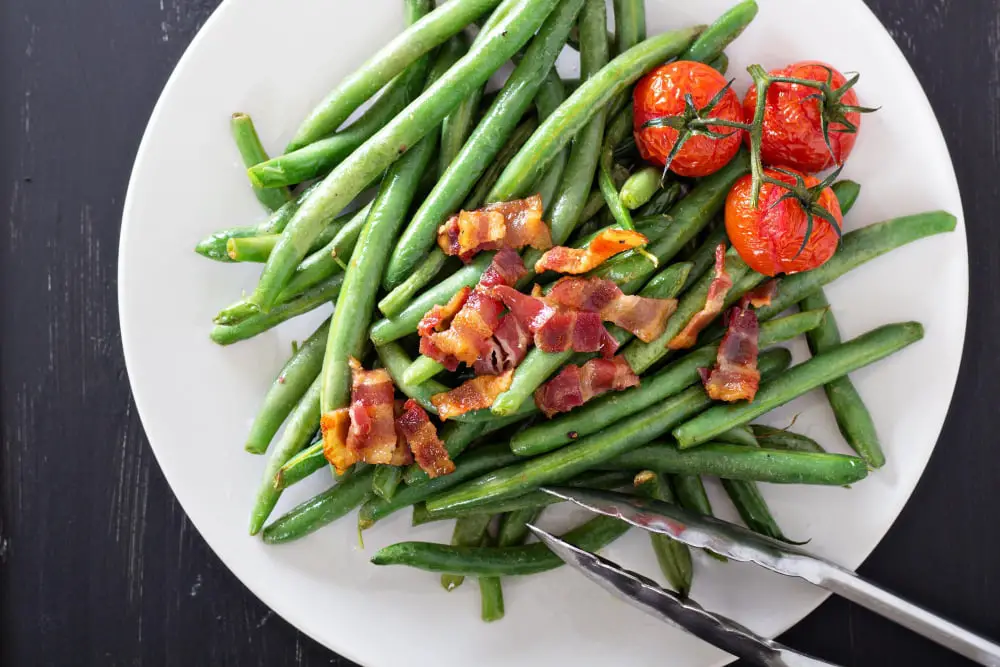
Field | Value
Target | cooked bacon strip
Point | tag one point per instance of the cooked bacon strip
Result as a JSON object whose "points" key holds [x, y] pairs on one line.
{"points": [[575, 385], [763, 294], [439, 318], [557, 329], [735, 376], [510, 224], [606, 244], [334, 426], [372, 435], [714, 303], [469, 335], [475, 394], [422, 439], [645, 318], [508, 347]]}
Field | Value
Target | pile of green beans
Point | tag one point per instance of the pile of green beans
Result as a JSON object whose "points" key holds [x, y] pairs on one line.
{"points": [[432, 144]]}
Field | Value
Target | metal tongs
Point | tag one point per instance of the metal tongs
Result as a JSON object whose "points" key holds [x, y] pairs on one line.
{"points": [[740, 544]]}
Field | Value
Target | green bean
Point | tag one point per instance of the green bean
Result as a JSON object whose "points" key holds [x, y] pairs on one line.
{"points": [[691, 493], [475, 462], [499, 561], [616, 131], [302, 423], [704, 257], [722, 32], [538, 365], [491, 598], [673, 557], [847, 194], [457, 125], [316, 268], [252, 152], [598, 479], [549, 97], [640, 187], [484, 143], [320, 156], [769, 437], [738, 435], [492, 172], [856, 248], [719, 63], [258, 248], [819, 370], [300, 466], [630, 24], [214, 245], [470, 531], [611, 408], [430, 31], [661, 201], [287, 389], [588, 452], [330, 258], [513, 532], [361, 279], [251, 248], [513, 527], [321, 294], [752, 507], [586, 102], [322, 509], [853, 419], [386, 480], [395, 302], [569, 198], [690, 216], [384, 147], [747, 463], [422, 370], [395, 361], [457, 436], [641, 355]]}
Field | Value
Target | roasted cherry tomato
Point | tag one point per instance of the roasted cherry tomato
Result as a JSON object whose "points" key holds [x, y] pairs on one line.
{"points": [[775, 237], [661, 94], [793, 118]]}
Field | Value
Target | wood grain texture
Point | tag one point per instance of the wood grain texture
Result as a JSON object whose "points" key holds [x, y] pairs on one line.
{"points": [[98, 564]]}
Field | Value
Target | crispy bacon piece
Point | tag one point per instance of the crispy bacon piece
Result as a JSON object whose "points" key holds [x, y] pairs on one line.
{"points": [[763, 294], [469, 333], [508, 347], [439, 318], [645, 318], [575, 385], [735, 376], [558, 329], [475, 394], [606, 244], [372, 435], [334, 426], [422, 439], [510, 224], [714, 303]]}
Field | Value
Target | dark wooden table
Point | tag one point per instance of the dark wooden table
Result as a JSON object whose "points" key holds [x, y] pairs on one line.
{"points": [[99, 565]]}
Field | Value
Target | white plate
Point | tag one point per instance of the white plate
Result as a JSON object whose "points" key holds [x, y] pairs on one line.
{"points": [[274, 60]]}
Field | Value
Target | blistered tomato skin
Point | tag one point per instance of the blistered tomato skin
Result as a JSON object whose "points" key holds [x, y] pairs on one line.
{"points": [[792, 129], [661, 93], [769, 237]]}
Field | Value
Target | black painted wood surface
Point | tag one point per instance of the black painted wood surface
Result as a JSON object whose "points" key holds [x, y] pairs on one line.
{"points": [[98, 564]]}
